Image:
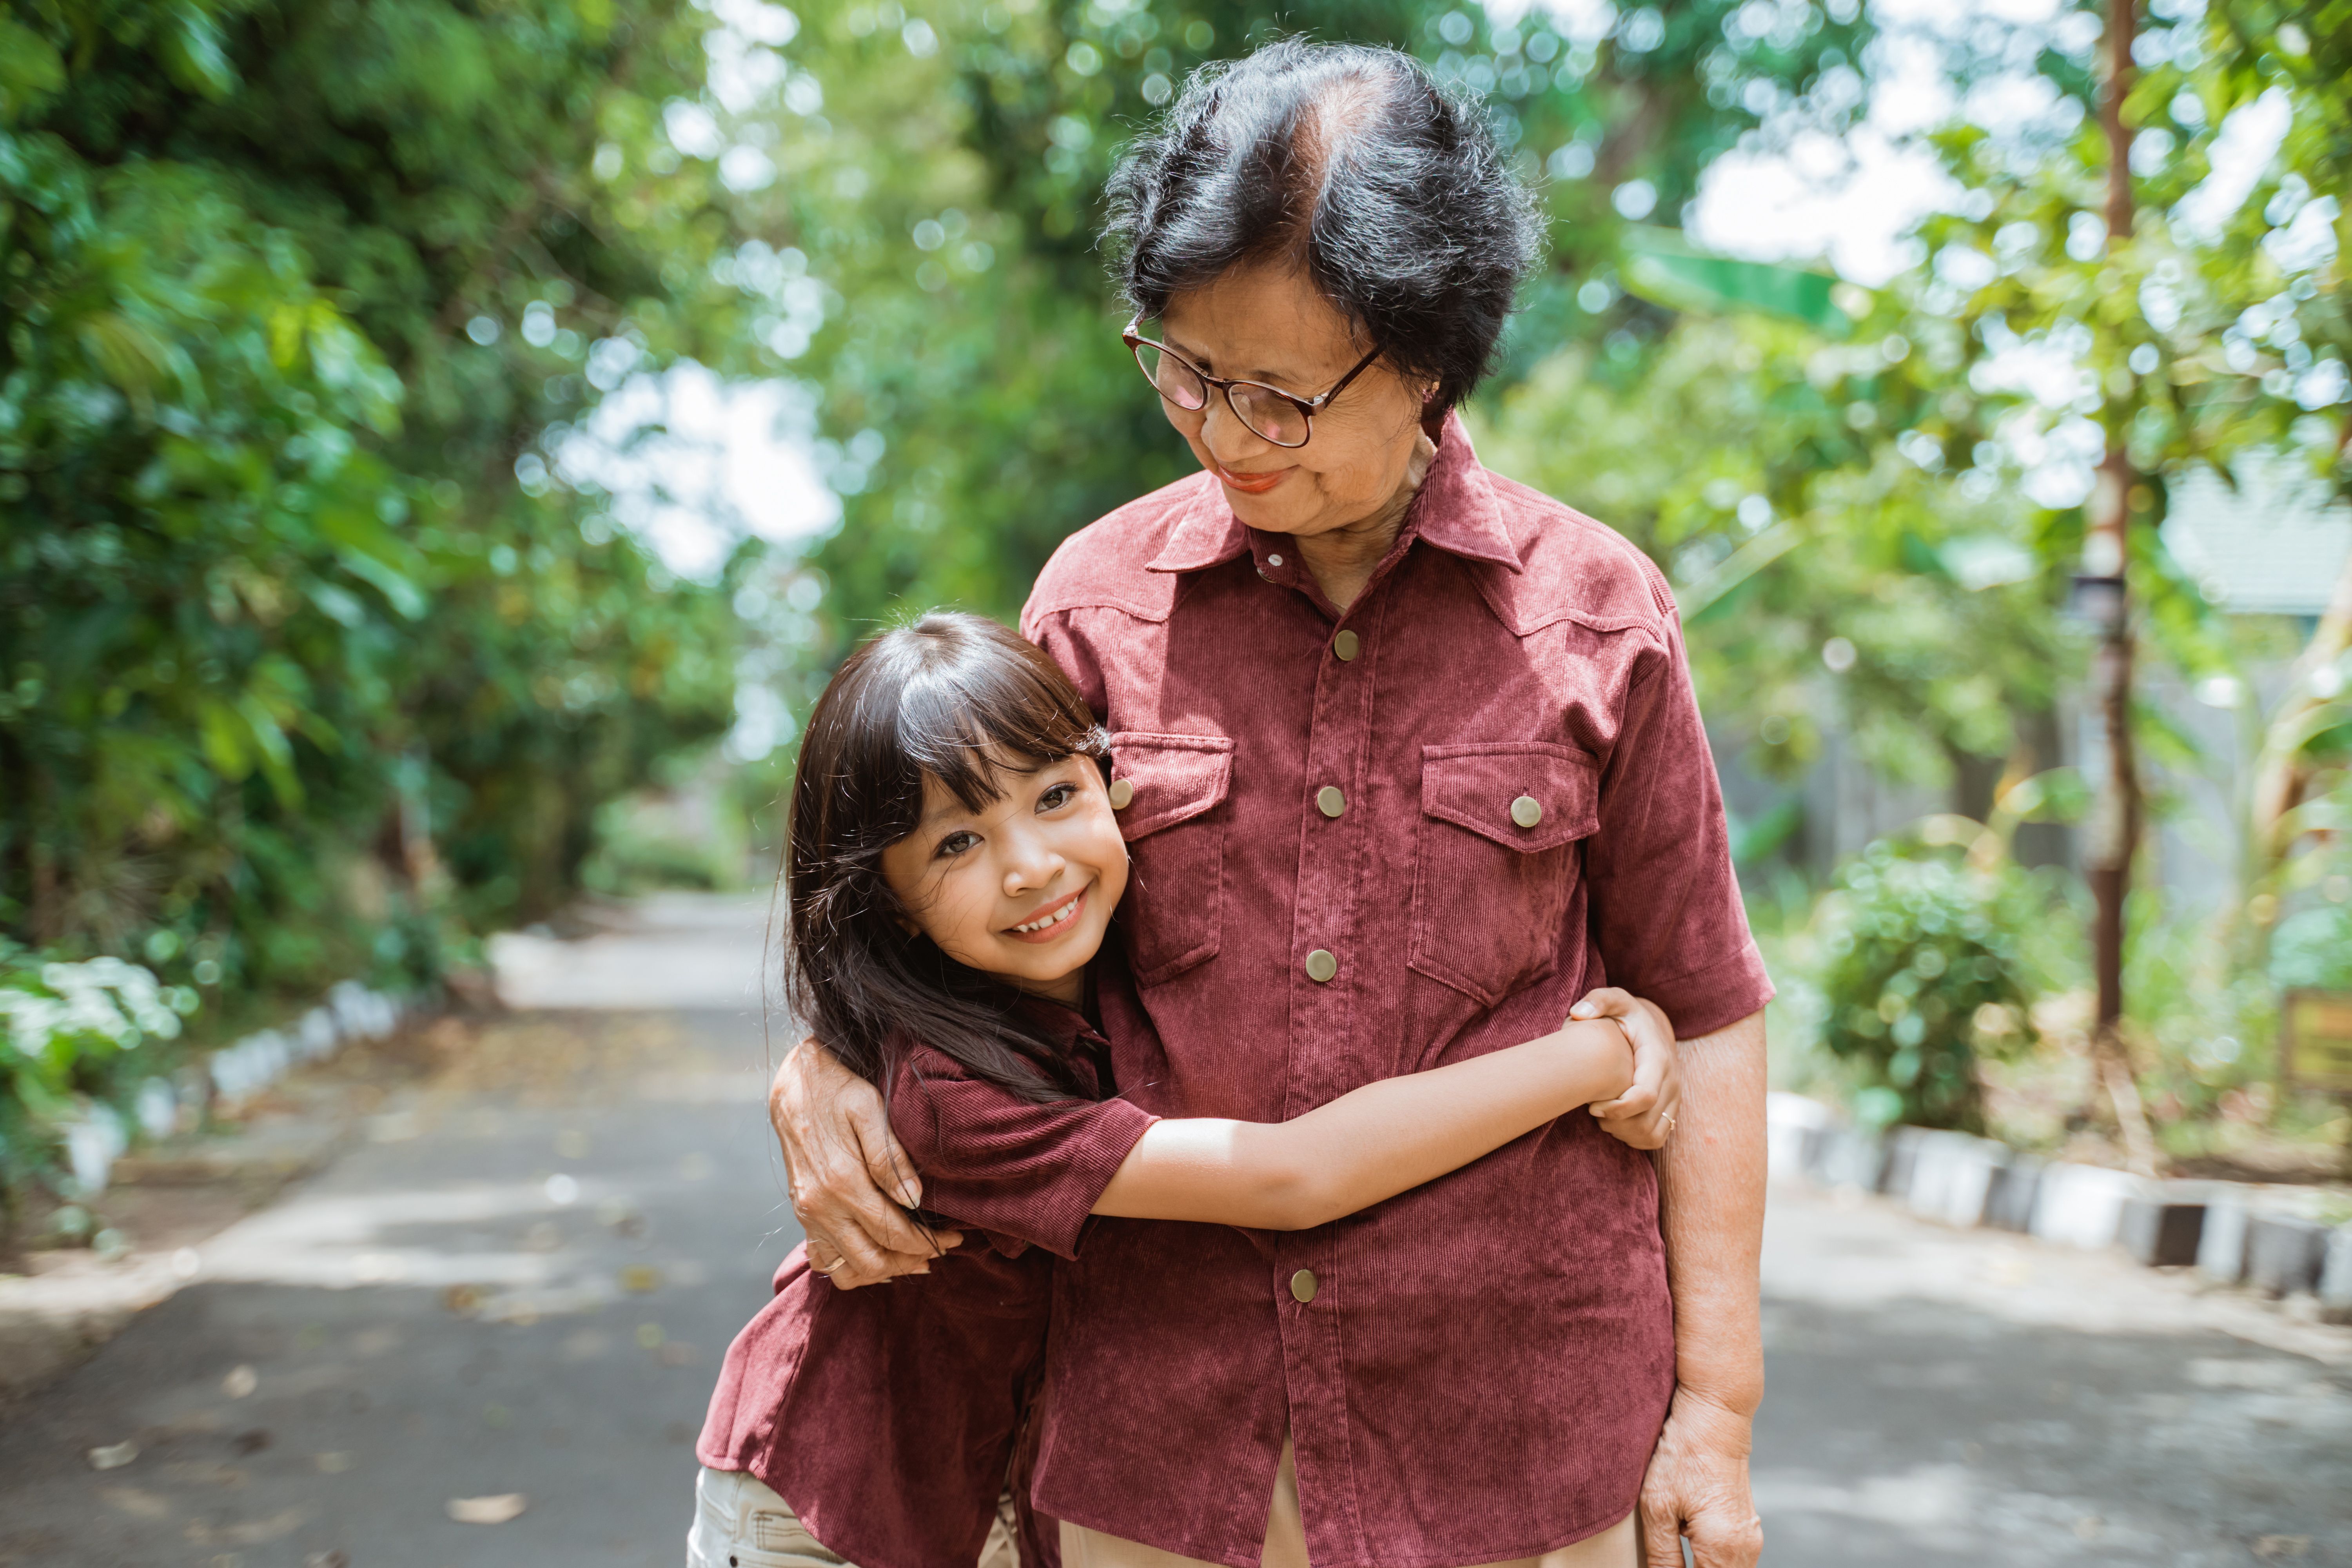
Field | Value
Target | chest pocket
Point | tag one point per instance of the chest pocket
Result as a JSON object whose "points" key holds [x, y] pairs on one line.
{"points": [[1496, 860], [1172, 786]]}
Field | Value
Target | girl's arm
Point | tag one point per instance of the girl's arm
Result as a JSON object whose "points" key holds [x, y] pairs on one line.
{"points": [[1367, 1145]]}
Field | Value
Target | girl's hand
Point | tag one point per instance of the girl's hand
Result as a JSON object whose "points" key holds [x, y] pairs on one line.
{"points": [[1643, 1116]]}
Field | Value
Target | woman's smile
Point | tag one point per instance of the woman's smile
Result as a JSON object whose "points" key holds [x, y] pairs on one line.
{"points": [[1255, 484], [1052, 920]]}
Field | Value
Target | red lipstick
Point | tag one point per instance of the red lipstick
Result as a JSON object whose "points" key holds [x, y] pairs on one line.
{"points": [[1252, 484]]}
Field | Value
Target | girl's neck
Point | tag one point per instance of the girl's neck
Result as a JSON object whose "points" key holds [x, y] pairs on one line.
{"points": [[1070, 991]]}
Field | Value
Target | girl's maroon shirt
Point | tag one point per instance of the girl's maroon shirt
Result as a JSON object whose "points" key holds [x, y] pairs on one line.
{"points": [[888, 1417], [1365, 844]]}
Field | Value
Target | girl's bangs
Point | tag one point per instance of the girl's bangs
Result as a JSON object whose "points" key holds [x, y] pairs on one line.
{"points": [[966, 726]]}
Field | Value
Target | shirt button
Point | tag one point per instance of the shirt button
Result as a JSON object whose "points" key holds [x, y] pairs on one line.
{"points": [[1321, 965], [1346, 645], [1274, 560], [1527, 811], [1123, 791], [1302, 1285], [1329, 801]]}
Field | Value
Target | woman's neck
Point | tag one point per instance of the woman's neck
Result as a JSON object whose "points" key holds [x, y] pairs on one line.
{"points": [[1343, 559]]}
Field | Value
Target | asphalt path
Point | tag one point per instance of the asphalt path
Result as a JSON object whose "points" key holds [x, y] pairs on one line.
{"points": [[516, 1283]]}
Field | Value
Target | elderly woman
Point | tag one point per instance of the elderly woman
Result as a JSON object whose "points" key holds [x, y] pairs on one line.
{"points": [[1407, 759]]}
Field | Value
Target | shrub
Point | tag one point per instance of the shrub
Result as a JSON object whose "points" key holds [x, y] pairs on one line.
{"points": [[1924, 963], [76, 1033]]}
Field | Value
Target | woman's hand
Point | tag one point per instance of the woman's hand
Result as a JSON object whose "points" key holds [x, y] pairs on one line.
{"points": [[1643, 1116], [848, 1176], [1697, 1486]]}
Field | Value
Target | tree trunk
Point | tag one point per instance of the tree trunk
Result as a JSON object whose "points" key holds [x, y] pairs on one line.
{"points": [[2115, 835]]}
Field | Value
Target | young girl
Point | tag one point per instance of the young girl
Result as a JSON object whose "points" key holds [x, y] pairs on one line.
{"points": [[954, 863]]}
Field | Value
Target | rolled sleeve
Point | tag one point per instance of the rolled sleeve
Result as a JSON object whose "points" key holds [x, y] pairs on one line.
{"points": [[1664, 906], [1007, 1166]]}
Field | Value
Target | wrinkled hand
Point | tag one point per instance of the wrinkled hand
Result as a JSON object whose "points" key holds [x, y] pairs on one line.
{"points": [[1643, 1116], [848, 1176], [1697, 1486]]}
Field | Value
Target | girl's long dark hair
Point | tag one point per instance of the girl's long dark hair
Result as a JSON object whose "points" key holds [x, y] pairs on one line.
{"points": [[957, 697]]}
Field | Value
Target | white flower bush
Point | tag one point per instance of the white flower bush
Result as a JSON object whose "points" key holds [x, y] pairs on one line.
{"points": [[116, 1002], [69, 1027]]}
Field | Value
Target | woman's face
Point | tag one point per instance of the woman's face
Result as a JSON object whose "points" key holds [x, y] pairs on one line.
{"points": [[1023, 888], [1268, 324]]}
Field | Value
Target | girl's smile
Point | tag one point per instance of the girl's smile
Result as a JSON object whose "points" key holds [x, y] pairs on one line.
{"points": [[1053, 921]]}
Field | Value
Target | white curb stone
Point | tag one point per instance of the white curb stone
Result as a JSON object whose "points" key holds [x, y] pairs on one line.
{"points": [[1850, 1158], [2009, 1199], [1951, 1176], [1794, 1125], [2335, 1278], [2221, 1249], [2081, 1206], [2284, 1254]]}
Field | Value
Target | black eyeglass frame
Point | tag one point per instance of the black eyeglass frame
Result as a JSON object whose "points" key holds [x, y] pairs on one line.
{"points": [[1307, 406]]}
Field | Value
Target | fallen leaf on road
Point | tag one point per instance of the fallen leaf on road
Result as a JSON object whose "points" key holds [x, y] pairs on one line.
{"points": [[113, 1457], [338, 1558], [139, 1504], [2274, 1548], [463, 1299], [494, 1510], [331, 1464], [640, 1278], [240, 1382]]}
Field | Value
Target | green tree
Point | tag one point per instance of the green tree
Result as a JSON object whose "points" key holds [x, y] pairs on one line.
{"points": [[301, 656]]}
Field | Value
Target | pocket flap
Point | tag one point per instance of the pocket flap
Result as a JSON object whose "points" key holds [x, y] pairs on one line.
{"points": [[1174, 777], [1479, 784]]}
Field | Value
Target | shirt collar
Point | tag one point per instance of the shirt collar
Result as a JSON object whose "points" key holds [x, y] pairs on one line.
{"points": [[1455, 511], [1064, 1026]]}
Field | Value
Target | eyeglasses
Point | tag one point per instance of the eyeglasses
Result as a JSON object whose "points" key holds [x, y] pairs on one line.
{"points": [[1266, 411]]}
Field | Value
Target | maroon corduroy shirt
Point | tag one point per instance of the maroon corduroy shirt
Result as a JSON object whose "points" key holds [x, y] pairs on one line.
{"points": [[1365, 844], [888, 1416]]}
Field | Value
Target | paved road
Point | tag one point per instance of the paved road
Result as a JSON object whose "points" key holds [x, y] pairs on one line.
{"points": [[519, 1281]]}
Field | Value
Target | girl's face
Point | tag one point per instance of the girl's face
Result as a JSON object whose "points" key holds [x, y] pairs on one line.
{"points": [[1024, 888]]}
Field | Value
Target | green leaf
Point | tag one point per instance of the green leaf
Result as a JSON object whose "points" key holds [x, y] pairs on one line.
{"points": [[276, 753], [31, 71], [225, 740], [1663, 268], [193, 53]]}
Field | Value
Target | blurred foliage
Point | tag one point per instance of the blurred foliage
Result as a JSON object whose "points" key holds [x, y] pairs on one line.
{"points": [[305, 668], [937, 172], [1811, 559], [72, 1031], [1926, 961], [2215, 332]]}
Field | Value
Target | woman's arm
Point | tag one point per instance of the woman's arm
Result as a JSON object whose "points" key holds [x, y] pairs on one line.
{"points": [[1367, 1145]]}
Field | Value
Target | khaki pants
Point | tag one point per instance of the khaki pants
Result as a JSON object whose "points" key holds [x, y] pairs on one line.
{"points": [[739, 1522], [1618, 1546]]}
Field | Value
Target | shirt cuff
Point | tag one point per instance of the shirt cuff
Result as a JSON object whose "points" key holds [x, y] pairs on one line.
{"points": [[1712, 998], [1094, 1156]]}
